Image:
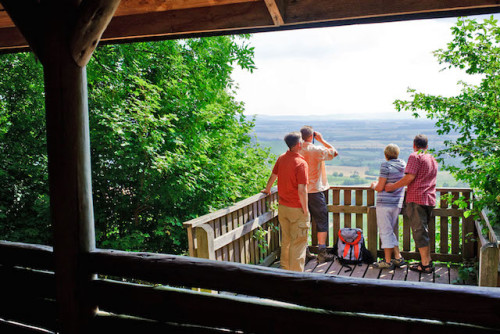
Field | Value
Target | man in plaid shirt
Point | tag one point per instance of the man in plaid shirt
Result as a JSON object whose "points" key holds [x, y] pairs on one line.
{"points": [[420, 177]]}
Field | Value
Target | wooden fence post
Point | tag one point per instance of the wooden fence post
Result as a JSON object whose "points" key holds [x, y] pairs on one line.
{"points": [[488, 265], [467, 237], [205, 240], [372, 231]]}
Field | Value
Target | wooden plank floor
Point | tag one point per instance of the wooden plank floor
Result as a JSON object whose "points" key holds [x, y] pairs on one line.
{"points": [[443, 273]]}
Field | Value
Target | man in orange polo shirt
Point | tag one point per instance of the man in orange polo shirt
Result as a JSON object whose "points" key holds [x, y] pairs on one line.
{"points": [[292, 173]]}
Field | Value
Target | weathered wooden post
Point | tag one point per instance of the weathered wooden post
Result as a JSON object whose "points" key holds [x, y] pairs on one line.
{"points": [[63, 34], [205, 239], [488, 264], [372, 231]]}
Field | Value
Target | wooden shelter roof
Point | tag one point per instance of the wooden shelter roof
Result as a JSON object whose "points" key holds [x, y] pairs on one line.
{"points": [[136, 20]]}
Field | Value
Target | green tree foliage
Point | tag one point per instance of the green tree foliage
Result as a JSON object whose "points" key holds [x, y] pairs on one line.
{"points": [[23, 166], [474, 114], [168, 140]]}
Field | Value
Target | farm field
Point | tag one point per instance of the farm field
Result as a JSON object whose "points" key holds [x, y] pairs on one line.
{"points": [[360, 143]]}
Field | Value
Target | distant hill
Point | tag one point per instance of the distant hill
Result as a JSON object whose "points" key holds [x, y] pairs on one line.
{"points": [[360, 142]]}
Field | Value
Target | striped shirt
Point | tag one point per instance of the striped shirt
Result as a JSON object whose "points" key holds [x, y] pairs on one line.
{"points": [[393, 171]]}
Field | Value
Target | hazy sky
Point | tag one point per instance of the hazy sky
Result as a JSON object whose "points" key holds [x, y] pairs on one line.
{"points": [[352, 71]]}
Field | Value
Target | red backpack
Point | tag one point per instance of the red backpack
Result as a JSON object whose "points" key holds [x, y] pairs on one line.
{"points": [[350, 247]]}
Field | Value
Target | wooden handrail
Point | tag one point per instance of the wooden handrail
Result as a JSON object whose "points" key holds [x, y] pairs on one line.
{"points": [[489, 253], [223, 212], [311, 290], [237, 233], [438, 189], [492, 234], [27, 255]]}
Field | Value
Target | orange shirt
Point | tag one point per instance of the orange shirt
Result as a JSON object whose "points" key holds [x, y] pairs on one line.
{"points": [[315, 157], [291, 169]]}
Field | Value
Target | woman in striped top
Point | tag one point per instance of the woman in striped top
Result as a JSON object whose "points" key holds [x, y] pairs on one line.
{"points": [[389, 205]]}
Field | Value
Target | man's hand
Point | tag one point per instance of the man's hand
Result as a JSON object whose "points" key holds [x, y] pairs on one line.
{"points": [[269, 185], [326, 144], [318, 136]]}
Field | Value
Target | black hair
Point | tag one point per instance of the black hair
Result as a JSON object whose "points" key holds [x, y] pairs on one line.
{"points": [[420, 141], [292, 139]]}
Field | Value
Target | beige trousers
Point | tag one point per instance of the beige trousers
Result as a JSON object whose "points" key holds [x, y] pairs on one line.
{"points": [[294, 228]]}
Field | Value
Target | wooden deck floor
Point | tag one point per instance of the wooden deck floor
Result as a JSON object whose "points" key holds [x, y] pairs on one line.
{"points": [[443, 273]]}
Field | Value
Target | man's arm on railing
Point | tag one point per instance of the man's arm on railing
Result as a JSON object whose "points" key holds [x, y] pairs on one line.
{"points": [[270, 183], [406, 180]]}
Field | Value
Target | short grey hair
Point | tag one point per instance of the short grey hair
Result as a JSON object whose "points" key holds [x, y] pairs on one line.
{"points": [[292, 139], [306, 131]]}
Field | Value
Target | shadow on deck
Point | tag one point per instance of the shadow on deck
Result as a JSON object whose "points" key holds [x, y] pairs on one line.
{"points": [[443, 273]]}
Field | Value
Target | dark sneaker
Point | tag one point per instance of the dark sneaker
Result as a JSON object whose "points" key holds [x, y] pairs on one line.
{"points": [[309, 256], [324, 256], [399, 262], [384, 265]]}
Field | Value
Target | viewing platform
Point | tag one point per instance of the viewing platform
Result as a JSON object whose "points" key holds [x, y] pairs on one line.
{"points": [[247, 232]]}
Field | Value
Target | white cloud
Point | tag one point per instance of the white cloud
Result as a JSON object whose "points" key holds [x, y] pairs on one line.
{"points": [[354, 70]]}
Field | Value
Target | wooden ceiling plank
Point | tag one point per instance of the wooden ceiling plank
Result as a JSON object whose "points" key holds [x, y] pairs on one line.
{"points": [[26, 15], [190, 21], [93, 18], [324, 10], [253, 17], [132, 7], [275, 11]]}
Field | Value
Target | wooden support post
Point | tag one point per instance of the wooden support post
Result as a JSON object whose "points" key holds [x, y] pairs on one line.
{"points": [[68, 148], [205, 239], [93, 18], [327, 201], [488, 265], [468, 231], [336, 216], [372, 231], [191, 242], [314, 232], [45, 26]]}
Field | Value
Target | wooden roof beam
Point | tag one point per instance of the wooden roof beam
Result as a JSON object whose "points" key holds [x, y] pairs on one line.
{"points": [[93, 18], [254, 16], [276, 9], [26, 15], [133, 7]]}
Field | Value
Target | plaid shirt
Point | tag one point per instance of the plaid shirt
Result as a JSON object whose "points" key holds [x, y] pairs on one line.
{"points": [[422, 190]]}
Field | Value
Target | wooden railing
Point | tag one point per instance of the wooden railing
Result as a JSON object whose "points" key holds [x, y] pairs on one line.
{"points": [[450, 233], [230, 234], [489, 252], [172, 297], [168, 302]]}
